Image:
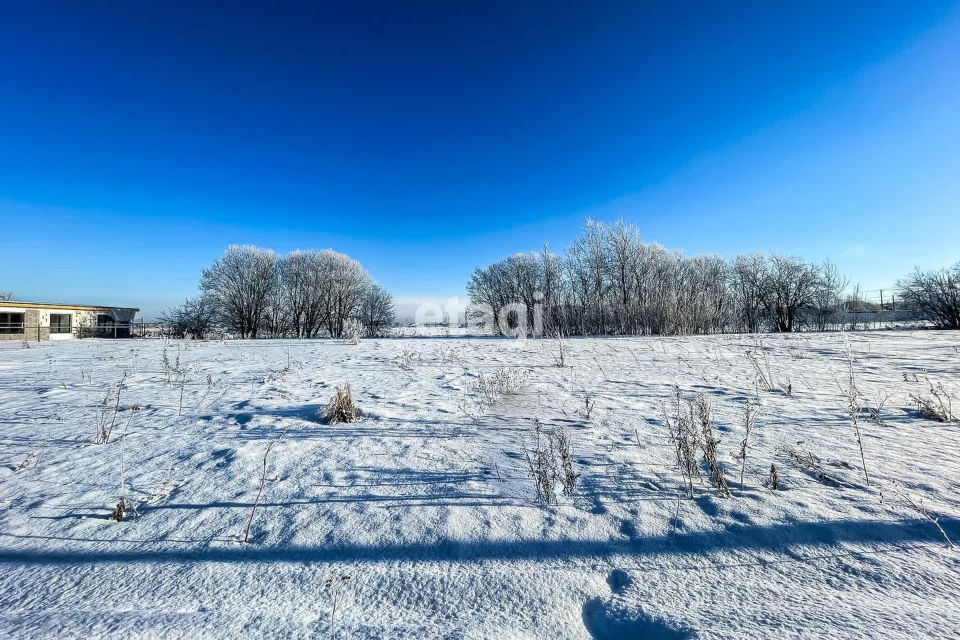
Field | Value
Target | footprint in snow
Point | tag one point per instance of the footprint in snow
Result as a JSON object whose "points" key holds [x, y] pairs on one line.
{"points": [[616, 619], [619, 580]]}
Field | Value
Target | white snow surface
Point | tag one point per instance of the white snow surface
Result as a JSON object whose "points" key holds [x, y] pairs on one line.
{"points": [[427, 505]]}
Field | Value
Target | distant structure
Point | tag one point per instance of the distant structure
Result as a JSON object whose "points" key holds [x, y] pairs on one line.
{"points": [[44, 321]]}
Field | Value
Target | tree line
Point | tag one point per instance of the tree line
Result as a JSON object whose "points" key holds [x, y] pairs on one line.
{"points": [[255, 292], [611, 282]]}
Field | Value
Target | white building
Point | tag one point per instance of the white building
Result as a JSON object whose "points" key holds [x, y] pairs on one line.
{"points": [[43, 321]]}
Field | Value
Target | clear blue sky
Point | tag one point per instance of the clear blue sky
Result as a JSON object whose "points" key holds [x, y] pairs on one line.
{"points": [[138, 139]]}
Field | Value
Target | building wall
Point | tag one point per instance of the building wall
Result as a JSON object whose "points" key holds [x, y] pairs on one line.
{"points": [[34, 318], [31, 319]]}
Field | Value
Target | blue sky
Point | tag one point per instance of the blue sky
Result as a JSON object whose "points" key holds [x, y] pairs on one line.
{"points": [[137, 140]]}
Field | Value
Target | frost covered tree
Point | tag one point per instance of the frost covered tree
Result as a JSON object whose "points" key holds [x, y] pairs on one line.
{"points": [[195, 317], [588, 265], [827, 294], [377, 311], [304, 294], [342, 291], [300, 274], [748, 277], [610, 281], [509, 287], [936, 294], [240, 285], [788, 290], [623, 249]]}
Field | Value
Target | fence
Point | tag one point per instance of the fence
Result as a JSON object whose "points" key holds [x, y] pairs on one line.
{"points": [[21, 331], [874, 308]]}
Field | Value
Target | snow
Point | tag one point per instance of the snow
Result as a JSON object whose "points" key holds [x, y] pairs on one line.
{"points": [[427, 505]]}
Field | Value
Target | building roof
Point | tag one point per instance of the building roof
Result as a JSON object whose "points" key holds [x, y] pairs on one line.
{"points": [[48, 305]]}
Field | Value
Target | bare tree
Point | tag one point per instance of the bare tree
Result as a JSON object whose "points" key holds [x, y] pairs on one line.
{"points": [[789, 288], [277, 319], [341, 291], [853, 305], [748, 278], [195, 317], [377, 311], [239, 284], [826, 295], [300, 275], [936, 294], [623, 253], [512, 286], [588, 264]]}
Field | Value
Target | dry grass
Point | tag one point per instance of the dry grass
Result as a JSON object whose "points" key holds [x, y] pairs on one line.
{"points": [[341, 407], [700, 407], [937, 405]]}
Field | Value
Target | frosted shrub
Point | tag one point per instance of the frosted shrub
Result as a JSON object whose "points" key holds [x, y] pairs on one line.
{"points": [[341, 407], [500, 383], [561, 445], [550, 462], [684, 436], [938, 405], [542, 466], [407, 358], [700, 407], [119, 511], [810, 463]]}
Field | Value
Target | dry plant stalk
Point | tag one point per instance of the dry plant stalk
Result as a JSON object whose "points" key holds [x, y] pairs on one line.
{"points": [[542, 466], [763, 372], [749, 416], [256, 502], [568, 478], [708, 444], [108, 418], [176, 376], [919, 507], [774, 478], [809, 462], [561, 359], [938, 406], [125, 505], [588, 403], [684, 438], [336, 590], [854, 406]]}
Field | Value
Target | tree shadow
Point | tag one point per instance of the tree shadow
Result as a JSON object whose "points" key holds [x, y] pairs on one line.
{"points": [[732, 538]]}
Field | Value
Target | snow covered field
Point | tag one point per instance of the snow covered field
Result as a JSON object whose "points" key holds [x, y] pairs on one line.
{"points": [[427, 504]]}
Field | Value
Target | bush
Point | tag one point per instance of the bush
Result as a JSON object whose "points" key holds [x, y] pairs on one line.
{"points": [[934, 293], [341, 407], [937, 406]]}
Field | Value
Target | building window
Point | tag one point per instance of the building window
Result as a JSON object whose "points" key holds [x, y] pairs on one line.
{"points": [[60, 323], [11, 323]]}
